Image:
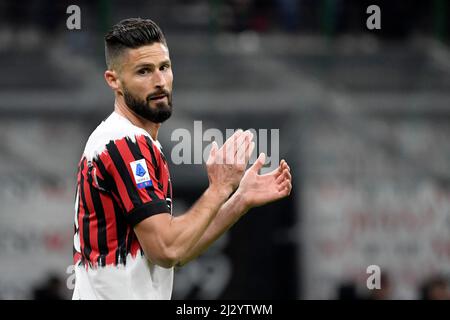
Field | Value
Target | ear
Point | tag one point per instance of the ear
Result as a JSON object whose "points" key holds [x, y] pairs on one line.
{"points": [[112, 79]]}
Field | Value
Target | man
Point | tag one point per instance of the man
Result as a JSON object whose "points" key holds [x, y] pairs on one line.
{"points": [[126, 240]]}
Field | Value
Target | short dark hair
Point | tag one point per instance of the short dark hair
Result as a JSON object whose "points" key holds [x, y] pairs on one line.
{"points": [[131, 33]]}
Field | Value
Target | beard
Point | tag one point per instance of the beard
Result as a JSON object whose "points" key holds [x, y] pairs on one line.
{"points": [[157, 114]]}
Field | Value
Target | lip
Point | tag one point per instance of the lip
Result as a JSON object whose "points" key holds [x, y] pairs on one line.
{"points": [[158, 98]]}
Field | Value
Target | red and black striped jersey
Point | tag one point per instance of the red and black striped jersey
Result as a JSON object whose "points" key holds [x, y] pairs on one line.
{"points": [[123, 178]]}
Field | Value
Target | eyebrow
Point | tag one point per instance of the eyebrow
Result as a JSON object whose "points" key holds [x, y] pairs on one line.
{"points": [[151, 65]]}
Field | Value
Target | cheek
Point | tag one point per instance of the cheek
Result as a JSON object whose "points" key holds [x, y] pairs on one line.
{"points": [[138, 86], [169, 79]]}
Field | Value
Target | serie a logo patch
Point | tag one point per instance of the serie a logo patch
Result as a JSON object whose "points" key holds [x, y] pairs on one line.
{"points": [[141, 174]]}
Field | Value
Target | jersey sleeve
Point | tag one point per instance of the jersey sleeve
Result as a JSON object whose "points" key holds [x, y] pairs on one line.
{"points": [[129, 170]]}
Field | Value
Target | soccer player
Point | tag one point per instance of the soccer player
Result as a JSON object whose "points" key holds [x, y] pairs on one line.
{"points": [[126, 240]]}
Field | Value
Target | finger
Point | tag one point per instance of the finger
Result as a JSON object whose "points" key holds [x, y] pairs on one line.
{"points": [[222, 151], [230, 146], [242, 149], [275, 173], [231, 140], [286, 191], [259, 162], [245, 148], [212, 153], [237, 151], [284, 165], [249, 152], [285, 185], [242, 139], [279, 180], [280, 169], [289, 188], [242, 143], [285, 175], [281, 166]]}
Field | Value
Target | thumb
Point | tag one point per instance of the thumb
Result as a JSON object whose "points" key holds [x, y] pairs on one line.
{"points": [[259, 162]]}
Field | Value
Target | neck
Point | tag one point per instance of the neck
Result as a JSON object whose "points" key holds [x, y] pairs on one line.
{"points": [[121, 108]]}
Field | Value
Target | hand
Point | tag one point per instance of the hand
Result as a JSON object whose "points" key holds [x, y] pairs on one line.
{"points": [[257, 190], [226, 166]]}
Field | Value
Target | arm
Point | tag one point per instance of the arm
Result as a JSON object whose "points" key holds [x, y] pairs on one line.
{"points": [[226, 217], [165, 239], [254, 190]]}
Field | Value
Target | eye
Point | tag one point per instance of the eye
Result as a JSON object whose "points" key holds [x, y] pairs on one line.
{"points": [[164, 67], [143, 71]]}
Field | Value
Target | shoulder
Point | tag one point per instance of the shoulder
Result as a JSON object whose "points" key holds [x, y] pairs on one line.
{"points": [[113, 128]]}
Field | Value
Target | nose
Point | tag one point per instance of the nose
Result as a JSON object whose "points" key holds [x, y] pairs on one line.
{"points": [[158, 79]]}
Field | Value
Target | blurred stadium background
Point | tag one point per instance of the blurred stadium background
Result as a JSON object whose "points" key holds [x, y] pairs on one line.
{"points": [[364, 120]]}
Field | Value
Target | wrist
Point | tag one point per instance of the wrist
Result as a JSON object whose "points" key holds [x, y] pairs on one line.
{"points": [[243, 200], [222, 192]]}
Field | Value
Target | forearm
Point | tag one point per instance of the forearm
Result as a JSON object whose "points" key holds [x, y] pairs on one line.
{"points": [[230, 212], [187, 229], [166, 239]]}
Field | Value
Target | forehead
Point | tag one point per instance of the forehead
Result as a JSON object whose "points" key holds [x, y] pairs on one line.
{"points": [[154, 53]]}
